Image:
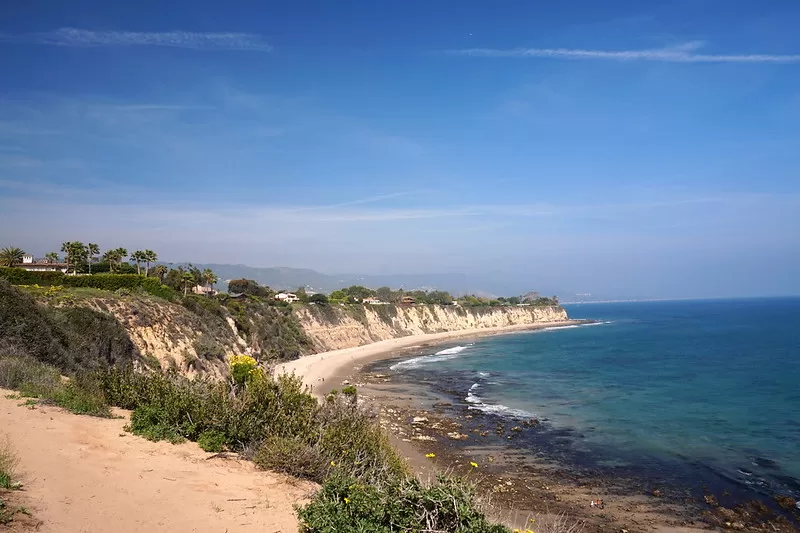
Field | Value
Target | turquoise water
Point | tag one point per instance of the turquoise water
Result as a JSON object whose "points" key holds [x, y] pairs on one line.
{"points": [[704, 390]]}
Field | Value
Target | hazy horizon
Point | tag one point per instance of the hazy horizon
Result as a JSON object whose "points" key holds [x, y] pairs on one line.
{"points": [[622, 149]]}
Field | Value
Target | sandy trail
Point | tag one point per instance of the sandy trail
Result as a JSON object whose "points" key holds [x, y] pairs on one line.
{"points": [[86, 474]]}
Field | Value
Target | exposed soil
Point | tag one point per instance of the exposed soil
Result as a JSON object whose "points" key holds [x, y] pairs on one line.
{"points": [[88, 475]]}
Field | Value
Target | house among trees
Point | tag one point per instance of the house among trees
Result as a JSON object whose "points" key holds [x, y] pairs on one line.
{"points": [[204, 290], [373, 301], [287, 297], [408, 300], [41, 265]]}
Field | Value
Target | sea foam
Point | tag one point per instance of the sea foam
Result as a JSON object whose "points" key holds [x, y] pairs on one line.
{"points": [[417, 362]]}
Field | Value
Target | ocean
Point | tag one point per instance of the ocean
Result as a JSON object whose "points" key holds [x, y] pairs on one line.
{"points": [[697, 394]]}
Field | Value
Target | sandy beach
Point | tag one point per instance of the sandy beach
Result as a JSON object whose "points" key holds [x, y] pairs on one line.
{"points": [[324, 368]]}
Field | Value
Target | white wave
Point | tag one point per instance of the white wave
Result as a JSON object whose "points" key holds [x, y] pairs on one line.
{"points": [[451, 351], [503, 410], [417, 362], [471, 398], [553, 328], [484, 374], [478, 404]]}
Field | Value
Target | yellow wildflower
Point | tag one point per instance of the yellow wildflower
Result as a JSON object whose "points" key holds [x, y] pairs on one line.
{"points": [[347, 500], [333, 463], [473, 464], [430, 455]]}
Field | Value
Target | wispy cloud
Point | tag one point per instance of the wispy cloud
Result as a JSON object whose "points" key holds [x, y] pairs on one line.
{"points": [[175, 39], [684, 53]]}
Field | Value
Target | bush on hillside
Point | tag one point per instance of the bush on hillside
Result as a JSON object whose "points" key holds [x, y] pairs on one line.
{"points": [[346, 504], [68, 338]]}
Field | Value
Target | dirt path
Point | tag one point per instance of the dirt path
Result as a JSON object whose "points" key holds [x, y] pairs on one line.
{"points": [[85, 474]]}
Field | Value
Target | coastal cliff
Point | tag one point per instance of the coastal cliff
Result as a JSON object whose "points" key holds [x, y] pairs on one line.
{"points": [[333, 328], [195, 335]]}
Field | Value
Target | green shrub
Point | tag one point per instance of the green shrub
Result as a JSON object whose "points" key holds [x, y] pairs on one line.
{"points": [[81, 399], [25, 371], [293, 456], [69, 338], [212, 440], [108, 282], [345, 504]]}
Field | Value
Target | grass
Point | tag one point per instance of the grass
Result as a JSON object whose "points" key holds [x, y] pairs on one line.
{"points": [[8, 464], [79, 395]]}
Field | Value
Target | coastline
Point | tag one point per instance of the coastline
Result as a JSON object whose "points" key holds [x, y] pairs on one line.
{"points": [[517, 484], [322, 372]]}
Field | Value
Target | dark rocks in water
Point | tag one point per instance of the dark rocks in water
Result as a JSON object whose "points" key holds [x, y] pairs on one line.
{"points": [[786, 502], [767, 464]]}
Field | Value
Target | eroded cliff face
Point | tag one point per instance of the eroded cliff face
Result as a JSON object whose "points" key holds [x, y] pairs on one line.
{"points": [[333, 328], [172, 337]]}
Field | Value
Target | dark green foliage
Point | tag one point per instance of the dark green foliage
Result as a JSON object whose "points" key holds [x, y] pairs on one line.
{"points": [[28, 328], [94, 339], [67, 338], [249, 287], [272, 330], [345, 504], [359, 292], [212, 440], [318, 298]]}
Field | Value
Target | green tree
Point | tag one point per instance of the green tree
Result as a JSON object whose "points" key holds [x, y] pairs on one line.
{"points": [[159, 271], [187, 280], [209, 277], [65, 246], [358, 292], [301, 293], [52, 257], [11, 256], [318, 298], [385, 294], [78, 254], [138, 257], [339, 296], [115, 257], [149, 257], [92, 250]]}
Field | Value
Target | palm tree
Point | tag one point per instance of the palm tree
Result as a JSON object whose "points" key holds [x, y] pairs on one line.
{"points": [[160, 271], [138, 257], [11, 256], [51, 257], [149, 257], [114, 257], [76, 253], [65, 247], [209, 277], [91, 250], [187, 279]]}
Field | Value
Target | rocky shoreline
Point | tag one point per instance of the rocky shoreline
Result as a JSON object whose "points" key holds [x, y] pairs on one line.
{"points": [[436, 435]]}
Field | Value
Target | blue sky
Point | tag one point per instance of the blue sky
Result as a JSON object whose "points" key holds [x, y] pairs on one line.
{"points": [[620, 147]]}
